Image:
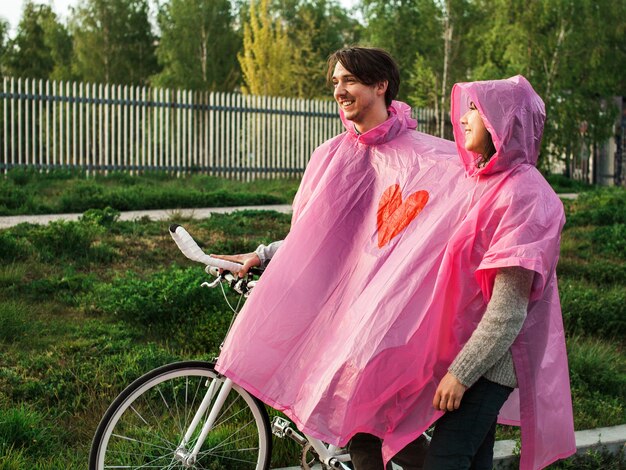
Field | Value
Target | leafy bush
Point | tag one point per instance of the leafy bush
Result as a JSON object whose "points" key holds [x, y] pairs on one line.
{"points": [[169, 303], [29, 191], [62, 239], [588, 310], [606, 206], [15, 321], [593, 460], [600, 272], [21, 428], [242, 231], [106, 217], [597, 365], [81, 196], [598, 381], [12, 247], [563, 184]]}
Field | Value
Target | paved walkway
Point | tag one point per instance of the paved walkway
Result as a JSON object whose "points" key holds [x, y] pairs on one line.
{"points": [[167, 214], [164, 214]]}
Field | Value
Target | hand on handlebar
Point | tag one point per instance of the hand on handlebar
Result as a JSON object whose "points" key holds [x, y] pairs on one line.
{"points": [[248, 260]]}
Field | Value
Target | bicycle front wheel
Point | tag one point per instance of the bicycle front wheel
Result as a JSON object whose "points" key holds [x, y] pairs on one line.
{"points": [[145, 425]]}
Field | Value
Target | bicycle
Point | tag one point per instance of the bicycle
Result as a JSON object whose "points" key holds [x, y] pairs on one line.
{"points": [[186, 415]]}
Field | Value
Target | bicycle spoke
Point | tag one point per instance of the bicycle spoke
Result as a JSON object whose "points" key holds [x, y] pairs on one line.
{"points": [[147, 431]]}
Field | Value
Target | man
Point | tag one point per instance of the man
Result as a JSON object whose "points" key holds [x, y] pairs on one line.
{"points": [[363, 98], [365, 82]]}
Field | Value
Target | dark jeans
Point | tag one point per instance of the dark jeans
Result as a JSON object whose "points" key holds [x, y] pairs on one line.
{"points": [[365, 451], [464, 438]]}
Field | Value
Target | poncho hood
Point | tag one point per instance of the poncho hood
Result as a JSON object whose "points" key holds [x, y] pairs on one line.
{"points": [[514, 115], [399, 121]]}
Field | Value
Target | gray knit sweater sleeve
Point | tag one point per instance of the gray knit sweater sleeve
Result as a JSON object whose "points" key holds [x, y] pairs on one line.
{"points": [[267, 252], [487, 351]]}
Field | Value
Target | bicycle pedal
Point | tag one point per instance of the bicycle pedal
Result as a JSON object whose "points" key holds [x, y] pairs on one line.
{"points": [[282, 428]]}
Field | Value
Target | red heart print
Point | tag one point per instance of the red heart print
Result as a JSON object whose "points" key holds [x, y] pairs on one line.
{"points": [[395, 215]]}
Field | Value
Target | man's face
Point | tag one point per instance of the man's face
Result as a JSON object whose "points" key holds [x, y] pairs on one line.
{"points": [[356, 99]]}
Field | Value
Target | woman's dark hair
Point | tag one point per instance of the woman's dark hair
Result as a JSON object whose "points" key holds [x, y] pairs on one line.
{"points": [[370, 66], [489, 151]]}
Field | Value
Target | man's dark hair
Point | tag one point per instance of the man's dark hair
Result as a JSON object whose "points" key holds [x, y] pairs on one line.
{"points": [[370, 66]]}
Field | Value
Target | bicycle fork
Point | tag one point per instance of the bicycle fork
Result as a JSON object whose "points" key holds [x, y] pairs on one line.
{"points": [[188, 459]]}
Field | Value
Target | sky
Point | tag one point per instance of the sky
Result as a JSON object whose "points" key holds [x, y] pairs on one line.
{"points": [[11, 10]]}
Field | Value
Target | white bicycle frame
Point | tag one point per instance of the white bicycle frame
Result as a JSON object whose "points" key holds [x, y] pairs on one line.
{"points": [[329, 455]]}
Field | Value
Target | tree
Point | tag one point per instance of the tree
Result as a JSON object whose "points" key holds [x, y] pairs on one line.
{"points": [[4, 37], [268, 56], [317, 28], [572, 51], [198, 46], [113, 41], [423, 85], [404, 28], [42, 47]]}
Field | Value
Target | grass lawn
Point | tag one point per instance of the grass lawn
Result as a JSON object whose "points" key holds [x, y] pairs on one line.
{"points": [[88, 306]]}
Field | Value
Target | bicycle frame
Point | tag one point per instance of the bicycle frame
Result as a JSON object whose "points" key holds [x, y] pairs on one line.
{"points": [[329, 455]]}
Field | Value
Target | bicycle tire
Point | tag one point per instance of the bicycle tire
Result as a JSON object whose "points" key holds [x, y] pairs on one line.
{"points": [[144, 425]]}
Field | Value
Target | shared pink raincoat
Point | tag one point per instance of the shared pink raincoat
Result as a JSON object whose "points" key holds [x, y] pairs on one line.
{"points": [[386, 272]]}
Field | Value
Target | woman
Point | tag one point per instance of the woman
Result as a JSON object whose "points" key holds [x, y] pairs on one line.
{"points": [[498, 127]]}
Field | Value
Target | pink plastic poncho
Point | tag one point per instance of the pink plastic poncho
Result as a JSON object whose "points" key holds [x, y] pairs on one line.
{"points": [[522, 218], [380, 282]]}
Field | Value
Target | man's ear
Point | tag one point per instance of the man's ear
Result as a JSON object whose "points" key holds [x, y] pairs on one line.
{"points": [[381, 87]]}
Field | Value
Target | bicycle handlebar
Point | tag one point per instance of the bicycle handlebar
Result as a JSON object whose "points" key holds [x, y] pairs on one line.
{"points": [[191, 250]]}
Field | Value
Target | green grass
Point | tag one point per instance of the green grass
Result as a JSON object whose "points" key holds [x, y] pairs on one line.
{"points": [[26, 191], [86, 307]]}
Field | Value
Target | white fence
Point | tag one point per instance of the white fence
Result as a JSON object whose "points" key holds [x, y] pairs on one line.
{"points": [[48, 124]]}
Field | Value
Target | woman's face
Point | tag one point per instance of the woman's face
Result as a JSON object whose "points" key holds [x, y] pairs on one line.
{"points": [[476, 135]]}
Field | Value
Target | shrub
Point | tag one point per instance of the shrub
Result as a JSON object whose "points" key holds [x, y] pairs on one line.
{"points": [[606, 206], [23, 428], [563, 184], [106, 217], [598, 381], [12, 247], [15, 322], [65, 240], [11, 197], [66, 287], [594, 459], [605, 273], [170, 303], [589, 310], [597, 365], [82, 196]]}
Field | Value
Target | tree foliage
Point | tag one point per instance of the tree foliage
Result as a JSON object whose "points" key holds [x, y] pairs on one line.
{"points": [[42, 47], [316, 28], [267, 58], [572, 52], [113, 41], [198, 46], [4, 37]]}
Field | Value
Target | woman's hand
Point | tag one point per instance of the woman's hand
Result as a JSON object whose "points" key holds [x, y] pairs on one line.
{"points": [[449, 393], [248, 260]]}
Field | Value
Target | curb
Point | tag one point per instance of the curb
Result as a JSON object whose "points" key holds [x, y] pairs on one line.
{"points": [[613, 439], [160, 214]]}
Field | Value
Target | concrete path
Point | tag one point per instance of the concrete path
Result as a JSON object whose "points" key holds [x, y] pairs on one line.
{"points": [[167, 214], [613, 438], [164, 214]]}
